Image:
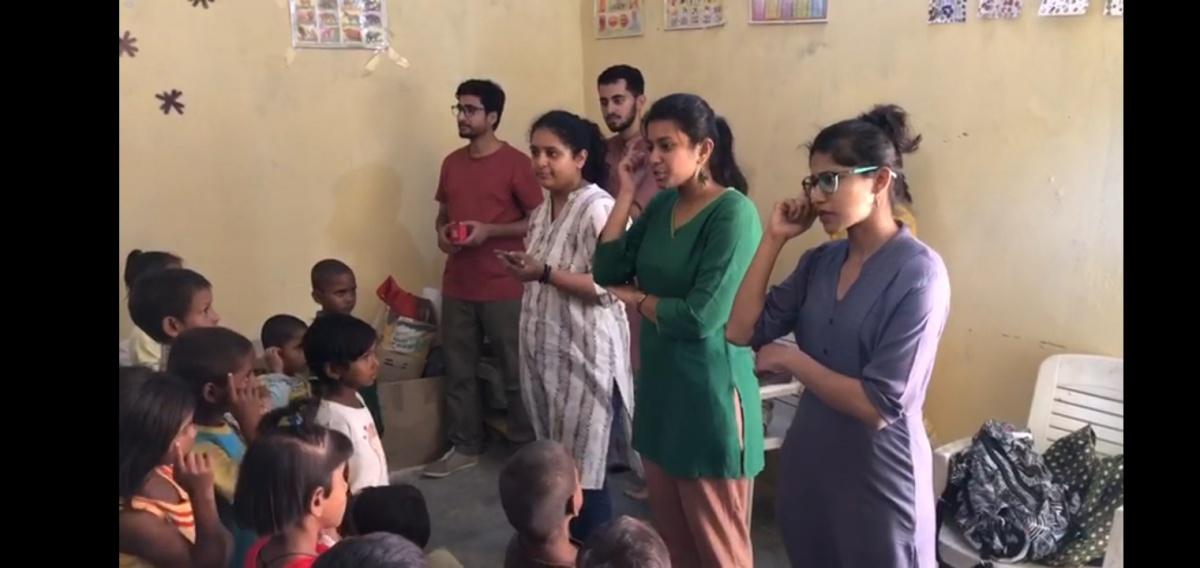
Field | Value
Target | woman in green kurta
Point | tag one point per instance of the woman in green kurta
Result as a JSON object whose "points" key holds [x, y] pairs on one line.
{"points": [[698, 424]]}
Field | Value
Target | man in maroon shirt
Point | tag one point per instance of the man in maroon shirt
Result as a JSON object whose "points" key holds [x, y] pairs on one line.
{"points": [[485, 194], [622, 99]]}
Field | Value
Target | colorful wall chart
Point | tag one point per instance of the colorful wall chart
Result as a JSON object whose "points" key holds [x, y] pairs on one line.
{"points": [[618, 18], [788, 11], [693, 14], [339, 24]]}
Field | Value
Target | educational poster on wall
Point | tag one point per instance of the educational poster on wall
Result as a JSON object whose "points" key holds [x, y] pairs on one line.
{"points": [[1063, 8], [1114, 8], [999, 9], [618, 18], [789, 11], [693, 14], [947, 11], [339, 24]]}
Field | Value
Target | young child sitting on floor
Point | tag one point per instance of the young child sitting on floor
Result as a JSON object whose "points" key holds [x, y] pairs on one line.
{"points": [[167, 515], [340, 351], [540, 493], [334, 287], [168, 302], [336, 290], [401, 510], [292, 487], [217, 364], [281, 340], [142, 349], [625, 542], [379, 550]]}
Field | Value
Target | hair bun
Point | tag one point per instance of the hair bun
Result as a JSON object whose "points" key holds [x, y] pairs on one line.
{"points": [[893, 120]]}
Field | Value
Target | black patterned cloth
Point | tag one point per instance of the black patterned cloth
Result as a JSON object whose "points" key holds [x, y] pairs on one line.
{"points": [[1005, 499]]}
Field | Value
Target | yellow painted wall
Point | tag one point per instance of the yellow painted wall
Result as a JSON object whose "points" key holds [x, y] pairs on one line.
{"points": [[272, 167], [1018, 184]]}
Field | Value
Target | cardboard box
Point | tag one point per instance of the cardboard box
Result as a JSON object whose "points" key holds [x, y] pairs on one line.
{"points": [[403, 347], [413, 418]]}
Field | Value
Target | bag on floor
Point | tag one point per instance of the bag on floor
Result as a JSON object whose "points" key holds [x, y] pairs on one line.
{"points": [[1003, 498]]}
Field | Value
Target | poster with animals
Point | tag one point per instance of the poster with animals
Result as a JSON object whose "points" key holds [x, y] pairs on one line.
{"points": [[618, 18], [339, 24]]}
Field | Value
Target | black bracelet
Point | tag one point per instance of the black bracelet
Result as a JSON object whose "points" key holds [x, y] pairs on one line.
{"points": [[545, 274]]}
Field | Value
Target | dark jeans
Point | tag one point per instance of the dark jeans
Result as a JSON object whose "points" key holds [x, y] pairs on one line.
{"points": [[464, 325], [597, 510]]}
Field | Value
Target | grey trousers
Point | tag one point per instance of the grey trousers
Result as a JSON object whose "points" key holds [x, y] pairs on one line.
{"points": [[464, 325]]}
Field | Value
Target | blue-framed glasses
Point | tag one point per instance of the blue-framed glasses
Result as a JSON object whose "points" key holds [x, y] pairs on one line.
{"points": [[827, 182]]}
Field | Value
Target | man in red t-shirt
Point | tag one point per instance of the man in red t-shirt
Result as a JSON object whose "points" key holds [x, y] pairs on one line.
{"points": [[485, 194]]}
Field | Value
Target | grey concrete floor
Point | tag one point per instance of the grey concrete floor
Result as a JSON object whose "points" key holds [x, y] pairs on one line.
{"points": [[468, 521]]}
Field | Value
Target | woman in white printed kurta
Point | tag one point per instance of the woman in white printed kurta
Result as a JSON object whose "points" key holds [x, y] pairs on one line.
{"points": [[576, 377]]}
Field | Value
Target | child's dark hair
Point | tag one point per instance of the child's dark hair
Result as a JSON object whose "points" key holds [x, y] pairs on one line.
{"points": [[536, 487], [633, 78], [624, 543], [381, 550], [152, 407], [334, 340], [396, 509], [698, 121], [288, 461], [207, 355], [140, 263], [880, 137], [326, 270], [578, 134], [278, 330], [491, 96], [161, 294]]}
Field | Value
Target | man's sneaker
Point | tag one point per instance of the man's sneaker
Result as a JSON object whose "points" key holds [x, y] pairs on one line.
{"points": [[449, 463]]}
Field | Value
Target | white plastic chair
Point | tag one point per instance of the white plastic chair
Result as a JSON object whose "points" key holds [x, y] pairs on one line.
{"points": [[1072, 391]]}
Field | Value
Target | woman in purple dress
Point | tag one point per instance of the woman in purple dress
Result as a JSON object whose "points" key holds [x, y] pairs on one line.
{"points": [[856, 488]]}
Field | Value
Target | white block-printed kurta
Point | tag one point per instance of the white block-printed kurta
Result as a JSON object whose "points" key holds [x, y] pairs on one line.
{"points": [[574, 352]]}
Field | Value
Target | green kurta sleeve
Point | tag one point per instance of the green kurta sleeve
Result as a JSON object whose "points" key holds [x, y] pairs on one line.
{"points": [[705, 309]]}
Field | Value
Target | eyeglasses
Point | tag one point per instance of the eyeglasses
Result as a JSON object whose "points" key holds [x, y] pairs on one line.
{"points": [[827, 182], [466, 110]]}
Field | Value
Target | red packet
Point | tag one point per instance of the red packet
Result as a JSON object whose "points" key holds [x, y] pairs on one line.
{"points": [[399, 300]]}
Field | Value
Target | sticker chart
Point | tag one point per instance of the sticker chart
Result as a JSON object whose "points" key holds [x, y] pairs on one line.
{"points": [[693, 14], [339, 24], [618, 18], [1063, 8], [947, 11], [999, 9], [788, 11]]}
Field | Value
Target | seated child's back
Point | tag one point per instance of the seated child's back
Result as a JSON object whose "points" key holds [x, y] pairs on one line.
{"points": [[400, 510], [625, 543], [540, 492]]}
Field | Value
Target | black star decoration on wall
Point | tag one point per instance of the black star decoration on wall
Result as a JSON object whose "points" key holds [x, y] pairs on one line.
{"points": [[170, 100], [204, 3], [125, 45]]}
